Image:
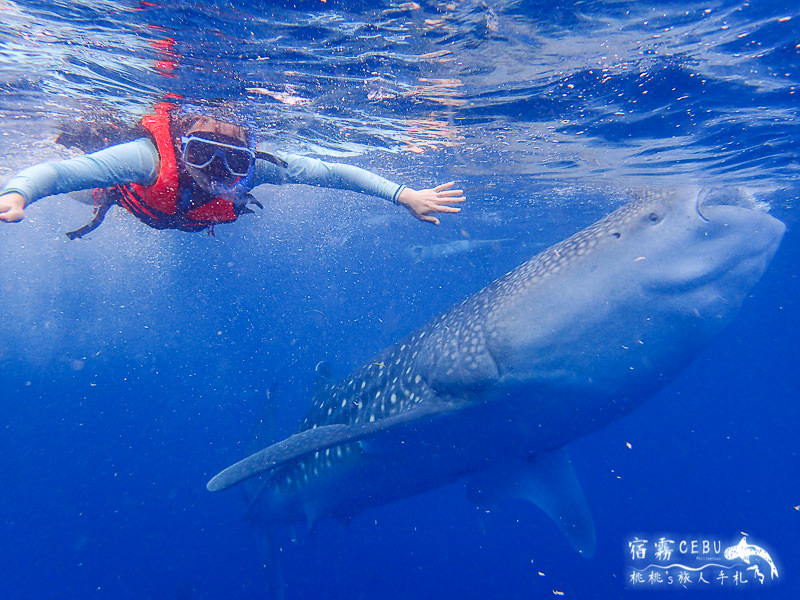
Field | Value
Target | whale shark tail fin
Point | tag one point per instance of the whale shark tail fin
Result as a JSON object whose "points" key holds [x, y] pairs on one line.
{"points": [[548, 481]]}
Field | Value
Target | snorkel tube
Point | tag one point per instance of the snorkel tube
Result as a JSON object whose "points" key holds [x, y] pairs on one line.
{"points": [[233, 191]]}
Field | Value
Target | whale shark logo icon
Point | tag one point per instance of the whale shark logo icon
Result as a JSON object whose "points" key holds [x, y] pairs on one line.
{"points": [[745, 551]]}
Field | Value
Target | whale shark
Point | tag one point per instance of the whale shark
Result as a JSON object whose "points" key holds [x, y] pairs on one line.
{"points": [[421, 253], [744, 551], [495, 389]]}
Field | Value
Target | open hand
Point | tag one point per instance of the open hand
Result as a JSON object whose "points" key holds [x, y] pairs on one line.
{"points": [[422, 203]]}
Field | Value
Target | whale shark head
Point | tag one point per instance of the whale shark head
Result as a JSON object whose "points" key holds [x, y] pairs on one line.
{"points": [[706, 248], [616, 309]]}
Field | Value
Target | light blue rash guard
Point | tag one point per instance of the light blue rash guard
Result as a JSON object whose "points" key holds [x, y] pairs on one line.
{"points": [[138, 162]]}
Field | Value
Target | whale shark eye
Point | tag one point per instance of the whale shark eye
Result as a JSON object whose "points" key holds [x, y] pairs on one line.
{"points": [[654, 217]]}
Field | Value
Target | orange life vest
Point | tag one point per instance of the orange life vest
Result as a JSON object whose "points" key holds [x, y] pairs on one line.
{"points": [[158, 205]]}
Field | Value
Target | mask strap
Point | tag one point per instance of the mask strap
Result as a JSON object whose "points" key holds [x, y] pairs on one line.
{"points": [[273, 159]]}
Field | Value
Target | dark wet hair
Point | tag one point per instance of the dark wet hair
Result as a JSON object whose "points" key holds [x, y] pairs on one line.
{"points": [[204, 126]]}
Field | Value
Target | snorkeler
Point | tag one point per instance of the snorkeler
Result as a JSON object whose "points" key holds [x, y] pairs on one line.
{"points": [[192, 172]]}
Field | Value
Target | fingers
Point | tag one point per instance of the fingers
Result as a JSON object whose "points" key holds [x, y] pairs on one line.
{"points": [[11, 216], [444, 194], [445, 209], [441, 204], [12, 207], [434, 200], [457, 200], [444, 191]]}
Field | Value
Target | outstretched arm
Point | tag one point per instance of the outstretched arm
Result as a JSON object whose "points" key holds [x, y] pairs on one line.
{"points": [[422, 203], [312, 171], [135, 161]]}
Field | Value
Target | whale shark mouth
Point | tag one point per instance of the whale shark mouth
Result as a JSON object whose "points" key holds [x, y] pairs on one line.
{"points": [[736, 197], [698, 205]]}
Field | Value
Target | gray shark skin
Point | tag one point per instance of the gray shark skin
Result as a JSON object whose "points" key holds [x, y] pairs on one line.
{"points": [[493, 389]]}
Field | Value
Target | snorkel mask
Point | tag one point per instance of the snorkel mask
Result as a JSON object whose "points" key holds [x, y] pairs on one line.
{"points": [[218, 158]]}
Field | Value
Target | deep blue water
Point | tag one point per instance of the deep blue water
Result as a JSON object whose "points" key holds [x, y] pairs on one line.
{"points": [[136, 363]]}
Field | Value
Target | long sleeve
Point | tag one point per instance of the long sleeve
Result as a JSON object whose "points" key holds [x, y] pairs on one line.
{"points": [[311, 171], [132, 162]]}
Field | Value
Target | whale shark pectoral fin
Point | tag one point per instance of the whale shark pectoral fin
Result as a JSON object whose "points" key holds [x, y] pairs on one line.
{"points": [[313, 440], [293, 447], [548, 481]]}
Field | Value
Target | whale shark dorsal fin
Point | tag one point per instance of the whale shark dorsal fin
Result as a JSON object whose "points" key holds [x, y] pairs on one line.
{"points": [[548, 481], [314, 440], [742, 548]]}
